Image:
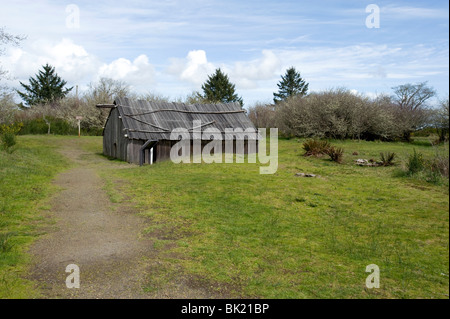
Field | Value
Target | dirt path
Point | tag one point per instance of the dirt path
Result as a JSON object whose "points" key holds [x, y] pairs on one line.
{"points": [[103, 239]]}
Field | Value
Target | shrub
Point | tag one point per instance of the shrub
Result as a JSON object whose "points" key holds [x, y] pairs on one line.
{"points": [[387, 159], [440, 164], [316, 147], [8, 141], [11, 128], [415, 163], [338, 114], [425, 132], [40, 126], [8, 136], [434, 170]]}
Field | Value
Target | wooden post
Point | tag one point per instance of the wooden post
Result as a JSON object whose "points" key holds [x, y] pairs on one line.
{"points": [[79, 118], [78, 100], [47, 122]]}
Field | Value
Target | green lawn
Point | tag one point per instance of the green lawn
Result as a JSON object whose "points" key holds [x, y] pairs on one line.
{"points": [[281, 236], [25, 177], [226, 227]]}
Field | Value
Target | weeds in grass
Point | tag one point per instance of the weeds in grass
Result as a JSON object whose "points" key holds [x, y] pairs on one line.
{"points": [[415, 163], [432, 176], [8, 136], [440, 163], [8, 140], [434, 170], [5, 242]]}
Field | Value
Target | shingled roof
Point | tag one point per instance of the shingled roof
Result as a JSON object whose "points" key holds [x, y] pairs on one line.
{"points": [[146, 120]]}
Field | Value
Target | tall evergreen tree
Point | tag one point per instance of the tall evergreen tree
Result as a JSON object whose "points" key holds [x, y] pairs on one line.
{"points": [[291, 84], [219, 89], [46, 87]]}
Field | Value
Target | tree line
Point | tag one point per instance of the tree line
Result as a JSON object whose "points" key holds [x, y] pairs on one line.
{"points": [[340, 114], [336, 113], [50, 106]]}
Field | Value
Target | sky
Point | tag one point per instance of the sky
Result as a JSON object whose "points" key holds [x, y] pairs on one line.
{"points": [[169, 47]]}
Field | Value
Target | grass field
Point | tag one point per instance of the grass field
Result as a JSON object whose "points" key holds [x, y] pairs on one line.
{"points": [[280, 236], [25, 177], [229, 228]]}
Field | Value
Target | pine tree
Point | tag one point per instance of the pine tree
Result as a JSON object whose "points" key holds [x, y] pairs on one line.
{"points": [[46, 87], [291, 84], [219, 89]]}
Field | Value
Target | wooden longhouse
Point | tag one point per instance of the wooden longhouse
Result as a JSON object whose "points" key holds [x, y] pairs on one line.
{"points": [[139, 131]]}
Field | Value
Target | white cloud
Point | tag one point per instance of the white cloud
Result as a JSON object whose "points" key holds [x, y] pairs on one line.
{"points": [[362, 66], [136, 72], [365, 61], [316, 64], [408, 12], [359, 67], [194, 68], [371, 95], [248, 73], [70, 60], [74, 64]]}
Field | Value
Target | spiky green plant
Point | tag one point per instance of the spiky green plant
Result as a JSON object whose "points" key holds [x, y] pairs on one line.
{"points": [[335, 153], [387, 159], [316, 147]]}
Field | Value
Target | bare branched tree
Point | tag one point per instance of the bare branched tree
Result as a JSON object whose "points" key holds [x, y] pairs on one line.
{"points": [[412, 97], [262, 116], [441, 120], [8, 107], [7, 104], [103, 91], [7, 39], [154, 97], [106, 90], [412, 109], [194, 97]]}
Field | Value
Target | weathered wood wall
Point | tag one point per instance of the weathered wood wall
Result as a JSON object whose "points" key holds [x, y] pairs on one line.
{"points": [[114, 141], [116, 145], [163, 148]]}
